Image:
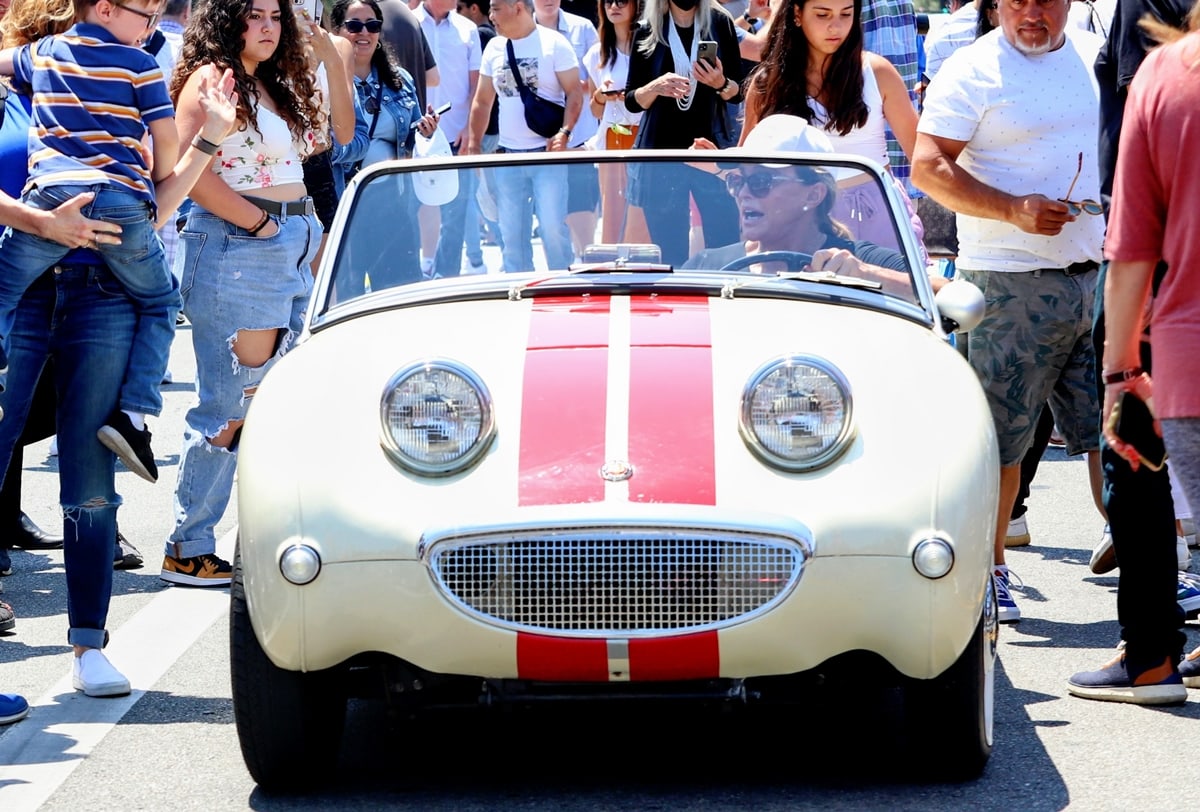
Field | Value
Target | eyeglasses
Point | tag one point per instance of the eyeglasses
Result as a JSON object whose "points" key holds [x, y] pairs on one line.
{"points": [[356, 26], [616, 3], [151, 19], [759, 184], [1077, 207]]}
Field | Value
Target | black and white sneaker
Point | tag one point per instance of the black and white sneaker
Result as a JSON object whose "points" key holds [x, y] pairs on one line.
{"points": [[125, 555], [133, 447]]}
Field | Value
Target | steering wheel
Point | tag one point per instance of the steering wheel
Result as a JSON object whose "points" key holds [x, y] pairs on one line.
{"points": [[795, 260]]}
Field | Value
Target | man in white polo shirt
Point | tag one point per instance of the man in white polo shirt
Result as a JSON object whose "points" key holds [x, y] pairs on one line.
{"points": [[548, 66], [454, 41]]}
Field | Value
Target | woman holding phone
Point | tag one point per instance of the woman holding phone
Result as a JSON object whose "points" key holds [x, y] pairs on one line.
{"points": [[606, 68], [679, 94]]}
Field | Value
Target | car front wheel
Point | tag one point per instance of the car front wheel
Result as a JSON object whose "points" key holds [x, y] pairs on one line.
{"points": [[949, 718], [289, 723]]}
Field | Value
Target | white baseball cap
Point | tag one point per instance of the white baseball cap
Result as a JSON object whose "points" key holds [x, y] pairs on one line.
{"points": [[784, 133], [435, 187]]}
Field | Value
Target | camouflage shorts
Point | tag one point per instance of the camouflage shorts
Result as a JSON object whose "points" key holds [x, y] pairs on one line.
{"points": [[1034, 347]]}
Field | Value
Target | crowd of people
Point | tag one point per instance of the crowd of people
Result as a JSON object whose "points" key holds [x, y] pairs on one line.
{"points": [[241, 123]]}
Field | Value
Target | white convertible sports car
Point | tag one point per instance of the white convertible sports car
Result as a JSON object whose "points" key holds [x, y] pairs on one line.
{"points": [[734, 446]]}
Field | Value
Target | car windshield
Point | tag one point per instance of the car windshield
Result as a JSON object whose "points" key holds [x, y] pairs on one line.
{"points": [[762, 223]]}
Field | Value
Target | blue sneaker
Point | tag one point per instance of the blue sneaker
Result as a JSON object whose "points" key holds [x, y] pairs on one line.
{"points": [[1189, 669], [1118, 681], [13, 708], [1187, 594], [1007, 609]]}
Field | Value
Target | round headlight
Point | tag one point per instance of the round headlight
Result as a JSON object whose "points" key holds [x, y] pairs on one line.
{"points": [[437, 417], [796, 413]]}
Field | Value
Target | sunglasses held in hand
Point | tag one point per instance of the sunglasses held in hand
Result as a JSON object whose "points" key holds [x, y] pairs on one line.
{"points": [[1077, 207]]}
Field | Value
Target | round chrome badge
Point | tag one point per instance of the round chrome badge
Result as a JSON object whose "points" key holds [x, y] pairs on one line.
{"points": [[616, 471]]}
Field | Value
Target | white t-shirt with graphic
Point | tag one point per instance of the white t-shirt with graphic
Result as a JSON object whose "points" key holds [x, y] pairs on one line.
{"points": [[540, 56], [1025, 119]]}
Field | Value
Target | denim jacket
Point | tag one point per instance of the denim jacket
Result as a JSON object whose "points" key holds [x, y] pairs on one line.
{"points": [[401, 105]]}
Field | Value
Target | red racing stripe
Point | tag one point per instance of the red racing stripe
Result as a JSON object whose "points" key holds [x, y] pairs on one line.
{"points": [[559, 659], [671, 401], [563, 402], [690, 656]]}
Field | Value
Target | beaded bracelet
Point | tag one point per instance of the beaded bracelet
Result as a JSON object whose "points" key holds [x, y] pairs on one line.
{"points": [[260, 225]]}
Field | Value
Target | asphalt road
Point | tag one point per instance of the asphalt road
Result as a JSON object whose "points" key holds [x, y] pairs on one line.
{"points": [[172, 744]]}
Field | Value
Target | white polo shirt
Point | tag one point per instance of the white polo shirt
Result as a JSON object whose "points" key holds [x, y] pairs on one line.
{"points": [[454, 42]]}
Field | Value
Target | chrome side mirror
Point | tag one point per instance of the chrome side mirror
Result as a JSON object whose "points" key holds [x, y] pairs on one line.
{"points": [[961, 306]]}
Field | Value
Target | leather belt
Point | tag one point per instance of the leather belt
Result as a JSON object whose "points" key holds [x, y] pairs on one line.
{"points": [[279, 208], [1074, 269]]}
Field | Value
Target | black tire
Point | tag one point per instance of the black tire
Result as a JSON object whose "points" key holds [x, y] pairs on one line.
{"points": [[949, 718], [289, 723]]}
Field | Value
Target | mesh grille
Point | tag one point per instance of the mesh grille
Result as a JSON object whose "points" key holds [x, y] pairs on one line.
{"points": [[631, 583]]}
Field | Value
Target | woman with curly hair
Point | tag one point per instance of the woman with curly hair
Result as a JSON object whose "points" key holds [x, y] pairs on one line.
{"points": [[814, 66], [245, 249]]}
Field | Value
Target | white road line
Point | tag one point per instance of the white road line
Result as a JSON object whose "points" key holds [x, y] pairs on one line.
{"points": [[64, 726]]}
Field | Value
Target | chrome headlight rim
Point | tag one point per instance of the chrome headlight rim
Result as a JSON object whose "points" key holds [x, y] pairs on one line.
{"points": [[746, 422], [487, 423]]}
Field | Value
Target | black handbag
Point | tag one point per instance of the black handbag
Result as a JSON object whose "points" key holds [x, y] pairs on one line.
{"points": [[542, 116]]}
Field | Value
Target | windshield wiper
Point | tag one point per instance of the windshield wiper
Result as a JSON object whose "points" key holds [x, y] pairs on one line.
{"points": [[820, 278]]}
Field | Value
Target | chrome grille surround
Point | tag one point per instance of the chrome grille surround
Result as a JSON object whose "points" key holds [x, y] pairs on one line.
{"points": [[623, 581]]}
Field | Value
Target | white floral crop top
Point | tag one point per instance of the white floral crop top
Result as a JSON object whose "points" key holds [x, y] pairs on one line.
{"points": [[247, 161]]}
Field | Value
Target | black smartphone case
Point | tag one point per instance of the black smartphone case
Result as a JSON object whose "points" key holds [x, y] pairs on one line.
{"points": [[1133, 423]]}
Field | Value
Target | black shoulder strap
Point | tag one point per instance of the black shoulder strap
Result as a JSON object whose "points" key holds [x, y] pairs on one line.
{"points": [[512, 66], [3, 102]]}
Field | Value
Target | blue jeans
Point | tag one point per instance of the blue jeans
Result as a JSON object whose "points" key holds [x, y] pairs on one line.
{"points": [[232, 281], [471, 232], [138, 262], [81, 317], [447, 260], [521, 191]]}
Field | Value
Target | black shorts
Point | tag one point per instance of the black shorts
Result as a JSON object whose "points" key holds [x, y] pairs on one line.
{"points": [[318, 180], [583, 188]]}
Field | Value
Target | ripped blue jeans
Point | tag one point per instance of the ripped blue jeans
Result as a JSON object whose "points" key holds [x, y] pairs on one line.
{"points": [[231, 281], [80, 316]]}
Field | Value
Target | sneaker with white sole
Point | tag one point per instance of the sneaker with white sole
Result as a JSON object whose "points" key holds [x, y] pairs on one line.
{"points": [[1018, 532], [1187, 594], [471, 269], [1183, 554], [1104, 557], [93, 674], [130, 444], [1189, 668], [1188, 528], [1007, 610], [13, 708], [1154, 683], [201, 570]]}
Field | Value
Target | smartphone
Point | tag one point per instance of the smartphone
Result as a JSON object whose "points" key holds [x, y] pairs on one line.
{"points": [[1132, 422], [441, 111], [307, 10], [707, 51], [614, 92]]}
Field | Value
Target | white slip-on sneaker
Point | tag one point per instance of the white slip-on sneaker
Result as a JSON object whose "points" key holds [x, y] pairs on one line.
{"points": [[1018, 532], [1183, 553], [93, 674]]}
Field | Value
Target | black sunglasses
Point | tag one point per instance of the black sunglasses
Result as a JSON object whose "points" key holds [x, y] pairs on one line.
{"points": [[356, 26], [151, 19], [616, 3], [759, 184]]}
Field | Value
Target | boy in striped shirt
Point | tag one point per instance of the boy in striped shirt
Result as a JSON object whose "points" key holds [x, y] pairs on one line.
{"points": [[96, 94]]}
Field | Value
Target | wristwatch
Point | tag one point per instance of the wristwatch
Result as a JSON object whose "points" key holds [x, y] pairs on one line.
{"points": [[565, 131], [1121, 376], [746, 18]]}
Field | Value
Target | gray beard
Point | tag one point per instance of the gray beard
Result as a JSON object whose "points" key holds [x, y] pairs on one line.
{"points": [[1038, 50]]}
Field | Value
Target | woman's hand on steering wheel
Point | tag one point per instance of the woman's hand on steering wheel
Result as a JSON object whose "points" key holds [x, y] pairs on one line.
{"points": [[795, 260]]}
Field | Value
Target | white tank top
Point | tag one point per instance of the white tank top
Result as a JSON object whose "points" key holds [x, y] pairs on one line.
{"points": [[248, 161], [869, 140]]}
